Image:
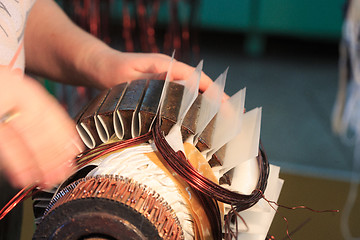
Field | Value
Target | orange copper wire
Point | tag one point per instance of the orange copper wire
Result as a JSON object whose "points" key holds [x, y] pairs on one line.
{"points": [[271, 203], [32, 189]]}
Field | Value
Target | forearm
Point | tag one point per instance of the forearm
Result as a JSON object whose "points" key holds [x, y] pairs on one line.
{"points": [[58, 49]]}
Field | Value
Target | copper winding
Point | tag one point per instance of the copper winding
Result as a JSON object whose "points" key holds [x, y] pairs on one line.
{"points": [[148, 202], [180, 165], [207, 189], [128, 192], [85, 158], [201, 221]]}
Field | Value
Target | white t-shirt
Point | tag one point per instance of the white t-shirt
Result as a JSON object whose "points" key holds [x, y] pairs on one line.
{"points": [[13, 16]]}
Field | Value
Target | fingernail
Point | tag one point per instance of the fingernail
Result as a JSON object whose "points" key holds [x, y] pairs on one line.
{"points": [[225, 98], [70, 163], [78, 146], [37, 182]]}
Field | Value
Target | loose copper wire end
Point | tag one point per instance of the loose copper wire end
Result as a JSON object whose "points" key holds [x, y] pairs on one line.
{"points": [[272, 203], [81, 161]]}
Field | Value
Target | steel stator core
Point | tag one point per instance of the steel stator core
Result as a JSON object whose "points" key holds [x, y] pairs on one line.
{"points": [[132, 193]]}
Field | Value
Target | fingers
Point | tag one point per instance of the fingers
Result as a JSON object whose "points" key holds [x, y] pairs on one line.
{"points": [[155, 66], [133, 66], [153, 76], [181, 71], [49, 132], [16, 159], [41, 142]]}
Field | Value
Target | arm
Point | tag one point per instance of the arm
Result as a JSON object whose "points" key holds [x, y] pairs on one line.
{"points": [[58, 49], [41, 142]]}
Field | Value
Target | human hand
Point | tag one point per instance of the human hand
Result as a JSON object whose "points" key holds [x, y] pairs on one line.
{"points": [[113, 67], [61, 51], [38, 140]]}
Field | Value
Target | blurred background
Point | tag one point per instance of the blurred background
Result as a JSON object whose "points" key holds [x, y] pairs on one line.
{"points": [[285, 52]]}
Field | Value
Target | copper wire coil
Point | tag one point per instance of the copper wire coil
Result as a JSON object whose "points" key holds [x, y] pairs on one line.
{"points": [[136, 103]]}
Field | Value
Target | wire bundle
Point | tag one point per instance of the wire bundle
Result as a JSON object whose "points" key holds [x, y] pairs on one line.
{"points": [[178, 162], [85, 158]]}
